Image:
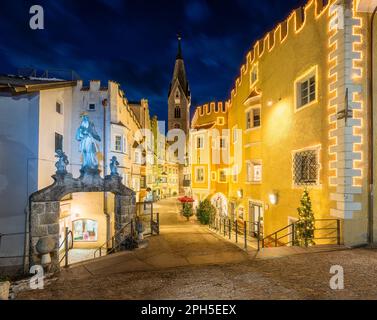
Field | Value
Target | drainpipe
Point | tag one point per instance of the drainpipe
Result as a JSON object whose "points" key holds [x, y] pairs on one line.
{"points": [[105, 211], [371, 135]]}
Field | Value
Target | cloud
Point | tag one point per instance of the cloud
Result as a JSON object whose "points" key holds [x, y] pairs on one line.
{"points": [[197, 11]]}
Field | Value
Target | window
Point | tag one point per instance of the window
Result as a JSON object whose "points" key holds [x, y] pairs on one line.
{"points": [[257, 172], [256, 118], [177, 126], [85, 230], [213, 176], [220, 121], [223, 142], [235, 135], [118, 143], [137, 156], [306, 89], [92, 107], [125, 179], [199, 174], [143, 183], [235, 173], [253, 118], [177, 112], [125, 145], [249, 172], [306, 168], [222, 176], [254, 75], [58, 142], [248, 120], [135, 184], [199, 142], [59, 107]]}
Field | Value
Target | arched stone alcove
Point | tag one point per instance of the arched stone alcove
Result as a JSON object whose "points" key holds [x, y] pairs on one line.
{"points": [[45, 206]]}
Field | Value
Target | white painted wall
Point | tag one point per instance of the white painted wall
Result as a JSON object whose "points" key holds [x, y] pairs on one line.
{"points": [[19, 119]]}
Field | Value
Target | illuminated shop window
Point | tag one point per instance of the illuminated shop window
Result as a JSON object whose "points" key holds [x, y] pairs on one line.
{"points": [[85, 230]]}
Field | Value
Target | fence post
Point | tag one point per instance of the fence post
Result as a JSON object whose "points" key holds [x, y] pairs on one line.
{"points": [[293, 234], [230, 229], [245, 234], [338, 231], [236, 231], [276, 239], [158, 223], [66, 246], [258, 235], [224, 227]]}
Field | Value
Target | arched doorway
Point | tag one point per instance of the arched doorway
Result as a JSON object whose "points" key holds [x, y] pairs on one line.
{"points": [[220, 202], [45, 210]]}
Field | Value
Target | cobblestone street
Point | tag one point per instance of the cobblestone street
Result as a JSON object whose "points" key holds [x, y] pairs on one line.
{"points": [[189, 262]]}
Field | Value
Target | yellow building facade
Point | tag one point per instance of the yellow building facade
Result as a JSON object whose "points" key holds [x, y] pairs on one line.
{"points": [[297, 119]]}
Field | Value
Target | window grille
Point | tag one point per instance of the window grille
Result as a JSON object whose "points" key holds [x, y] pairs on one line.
{"points": [[305, 168]]}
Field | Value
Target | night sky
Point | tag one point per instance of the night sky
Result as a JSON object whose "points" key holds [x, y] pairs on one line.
{"points": [[134, 42]]}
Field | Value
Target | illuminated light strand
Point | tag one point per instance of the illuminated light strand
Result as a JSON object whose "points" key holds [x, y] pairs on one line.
{"points": [[333, 98], [253, 55], [357, 102]]}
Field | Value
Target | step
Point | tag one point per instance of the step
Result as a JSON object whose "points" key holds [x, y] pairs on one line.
{"points": [[279, 252]]}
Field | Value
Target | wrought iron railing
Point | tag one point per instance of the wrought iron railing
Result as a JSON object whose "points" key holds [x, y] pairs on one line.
{"points": [[6, 235], [247, 232], [117, 240], [68, 245], [326, 231], [147, 219]]}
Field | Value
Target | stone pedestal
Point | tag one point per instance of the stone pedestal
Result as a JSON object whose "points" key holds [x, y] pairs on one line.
{"points": [[4, 290]]}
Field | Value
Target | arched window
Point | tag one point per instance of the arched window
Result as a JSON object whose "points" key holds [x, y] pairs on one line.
{"points": [[177, 112]]}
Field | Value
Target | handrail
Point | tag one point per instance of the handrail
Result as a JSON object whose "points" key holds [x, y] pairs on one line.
{"points": [[67, 248], [113, 239], [274, 237], [9, 235]]}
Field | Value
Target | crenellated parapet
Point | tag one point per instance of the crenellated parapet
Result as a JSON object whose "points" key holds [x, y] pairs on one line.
{"points": [[290, 27], [209, 111]]}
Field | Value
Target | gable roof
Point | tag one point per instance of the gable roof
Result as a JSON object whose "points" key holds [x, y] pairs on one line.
{"points": [[21, 85]]}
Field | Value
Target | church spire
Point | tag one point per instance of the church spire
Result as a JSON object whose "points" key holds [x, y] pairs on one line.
{"points": [[179, 53]]}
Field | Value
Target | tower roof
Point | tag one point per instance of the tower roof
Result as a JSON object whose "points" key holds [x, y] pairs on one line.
{"points": [[180, 72]]}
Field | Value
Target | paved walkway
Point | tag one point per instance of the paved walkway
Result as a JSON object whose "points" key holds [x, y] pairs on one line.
{"points": [[181, 243], [188, 262]]}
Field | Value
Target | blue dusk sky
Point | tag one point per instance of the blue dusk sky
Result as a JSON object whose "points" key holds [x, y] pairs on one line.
{"points": [[134, 42]]}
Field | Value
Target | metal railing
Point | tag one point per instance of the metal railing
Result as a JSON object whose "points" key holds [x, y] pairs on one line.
{"points": [[117, 239], [67, 246], [5, 235], [329, 232], [248, 233], [149, 220]]}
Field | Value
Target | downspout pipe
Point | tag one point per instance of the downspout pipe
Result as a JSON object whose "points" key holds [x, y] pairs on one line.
{"points": [[105, 209], [371, 134]]}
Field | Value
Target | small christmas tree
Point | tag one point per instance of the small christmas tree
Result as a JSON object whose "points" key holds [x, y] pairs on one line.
{"points": [[187, 211], [304, 227]]}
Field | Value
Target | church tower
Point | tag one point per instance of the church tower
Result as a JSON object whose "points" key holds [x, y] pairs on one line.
{"points": [[179, 98], [179, 102]]}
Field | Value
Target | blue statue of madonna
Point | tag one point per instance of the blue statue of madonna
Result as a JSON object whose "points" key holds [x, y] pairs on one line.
{"points": [[87, 136]]}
